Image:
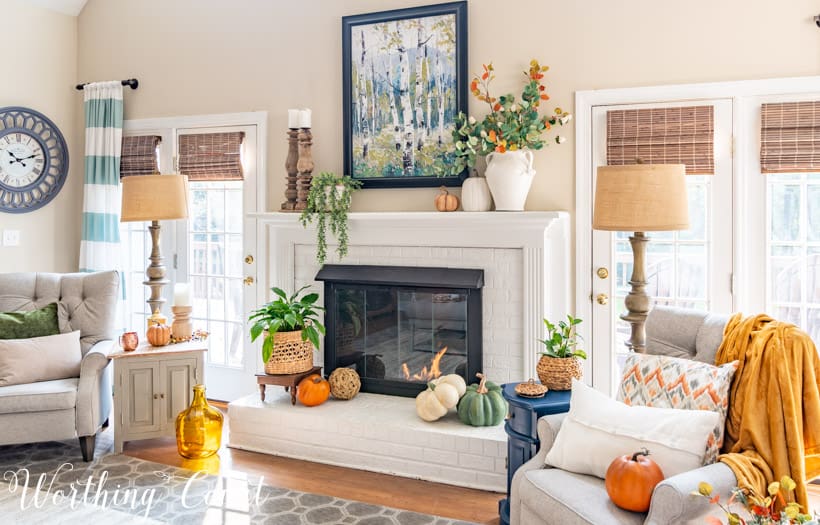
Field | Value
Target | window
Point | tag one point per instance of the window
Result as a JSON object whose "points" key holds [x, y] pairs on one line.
{"points": [[769, 213]]}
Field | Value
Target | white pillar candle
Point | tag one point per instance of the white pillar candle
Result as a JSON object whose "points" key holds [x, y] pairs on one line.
{"points": [[293, 118], [304, 118], [182, 294]]}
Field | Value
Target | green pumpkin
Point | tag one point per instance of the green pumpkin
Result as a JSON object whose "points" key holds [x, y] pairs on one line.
{"points": [[482, 405]]}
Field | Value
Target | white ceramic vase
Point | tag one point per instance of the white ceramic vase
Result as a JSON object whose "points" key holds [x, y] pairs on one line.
{"points": [[475, 194], [509, 176]]}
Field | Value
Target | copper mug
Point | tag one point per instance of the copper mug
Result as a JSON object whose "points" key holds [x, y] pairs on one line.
{"points": [[129, 341]]}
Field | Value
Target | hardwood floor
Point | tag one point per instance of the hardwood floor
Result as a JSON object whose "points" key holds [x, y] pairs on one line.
{"points": [[471, 505]]}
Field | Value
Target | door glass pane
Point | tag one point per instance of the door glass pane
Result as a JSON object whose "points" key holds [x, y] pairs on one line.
{"points": [[793, 249], [677, 264], [216, 267]]}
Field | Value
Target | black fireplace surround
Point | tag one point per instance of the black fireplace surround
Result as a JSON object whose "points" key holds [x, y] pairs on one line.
{"points": [[399, 327]]}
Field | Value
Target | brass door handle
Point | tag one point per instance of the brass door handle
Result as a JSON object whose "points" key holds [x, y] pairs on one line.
{"points": [[249, 259], [602, 298], [248, 280]]}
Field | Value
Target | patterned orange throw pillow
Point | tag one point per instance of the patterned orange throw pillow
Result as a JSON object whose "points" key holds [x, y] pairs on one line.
{"points": [[670, 382]]}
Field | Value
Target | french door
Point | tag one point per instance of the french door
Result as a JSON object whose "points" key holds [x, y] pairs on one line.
{"points": [[691, 268], [215, 248]]}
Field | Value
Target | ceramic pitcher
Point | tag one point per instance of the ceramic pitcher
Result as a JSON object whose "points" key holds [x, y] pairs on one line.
{"points": [[509, 176]]}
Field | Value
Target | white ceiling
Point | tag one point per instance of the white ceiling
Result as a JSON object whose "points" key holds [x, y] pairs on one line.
{"points": [[68, 7]]}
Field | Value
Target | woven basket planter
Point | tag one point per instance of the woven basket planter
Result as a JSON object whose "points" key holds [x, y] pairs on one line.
{"points": [[290, 354], [556, 373]]}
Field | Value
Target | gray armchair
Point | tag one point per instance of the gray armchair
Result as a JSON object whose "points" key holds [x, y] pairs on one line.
{"points": [[545, 495], [65, 408]]}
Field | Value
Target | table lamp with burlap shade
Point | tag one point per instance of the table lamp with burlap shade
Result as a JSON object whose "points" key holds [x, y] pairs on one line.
{"points": [[640, 198], [154, 198]]}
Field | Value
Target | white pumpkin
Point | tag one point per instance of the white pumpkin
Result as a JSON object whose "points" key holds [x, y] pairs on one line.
{"points": [[434, 402], [455, 380], [475, 195]]}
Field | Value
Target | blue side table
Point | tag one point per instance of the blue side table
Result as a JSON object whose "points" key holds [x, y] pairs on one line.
{"points": [[522, 438]]}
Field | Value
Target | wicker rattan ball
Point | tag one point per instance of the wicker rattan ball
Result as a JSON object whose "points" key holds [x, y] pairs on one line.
{"points": [[344, 383]]}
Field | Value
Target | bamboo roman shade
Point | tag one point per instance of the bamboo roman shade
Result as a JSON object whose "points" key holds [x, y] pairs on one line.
{"points": [[790, 137], [680, 135], [211, 156], [139, 155]]}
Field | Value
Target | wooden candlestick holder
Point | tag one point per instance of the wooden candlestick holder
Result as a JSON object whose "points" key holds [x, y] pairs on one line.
{"points": [[304, 168], [181, 328], [290, 168]]}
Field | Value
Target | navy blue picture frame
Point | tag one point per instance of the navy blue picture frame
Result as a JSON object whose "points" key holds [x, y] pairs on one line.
{"points": [[459, 10]]}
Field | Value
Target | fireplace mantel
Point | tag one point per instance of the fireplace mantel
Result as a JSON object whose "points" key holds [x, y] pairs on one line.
{"points": [[409, 238]]}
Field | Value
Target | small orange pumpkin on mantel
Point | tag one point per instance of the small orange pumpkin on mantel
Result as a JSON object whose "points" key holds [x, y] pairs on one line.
{"points": [[630, 481], [158, 334], [445, 201], [313, 390]]}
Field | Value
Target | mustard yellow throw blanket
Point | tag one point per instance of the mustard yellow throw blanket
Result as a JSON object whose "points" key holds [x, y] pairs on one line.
{"points": [[773, 424]]}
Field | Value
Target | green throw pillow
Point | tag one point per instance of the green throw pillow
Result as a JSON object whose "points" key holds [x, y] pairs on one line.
{"points": [[36, 323]]}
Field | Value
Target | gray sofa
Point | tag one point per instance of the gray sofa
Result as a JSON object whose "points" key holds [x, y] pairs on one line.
{"points": [[65, 408], [545, 495]]}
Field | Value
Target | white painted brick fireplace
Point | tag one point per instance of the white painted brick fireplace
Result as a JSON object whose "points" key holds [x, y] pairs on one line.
{"points": [[525, 258]]}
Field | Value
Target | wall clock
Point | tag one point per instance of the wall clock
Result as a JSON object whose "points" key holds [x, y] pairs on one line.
{"points": [[33, 160]]}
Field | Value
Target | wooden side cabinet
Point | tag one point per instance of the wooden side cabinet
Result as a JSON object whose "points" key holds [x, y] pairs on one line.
{"points": [[522, 436], [151, 386]]}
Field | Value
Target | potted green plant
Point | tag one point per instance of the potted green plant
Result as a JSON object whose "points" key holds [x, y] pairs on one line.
{"points": [[328, 203], [507, 135], [560, 360], [291, 328]]}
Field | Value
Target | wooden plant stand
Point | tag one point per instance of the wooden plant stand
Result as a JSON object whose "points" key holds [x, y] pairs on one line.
{"points": [[289, 381]]}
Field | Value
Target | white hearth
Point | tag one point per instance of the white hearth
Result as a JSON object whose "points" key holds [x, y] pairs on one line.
{"points": [[525, 258]]}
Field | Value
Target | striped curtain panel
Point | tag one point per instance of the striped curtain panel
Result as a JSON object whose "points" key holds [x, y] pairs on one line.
{"points": [[101, 191]]}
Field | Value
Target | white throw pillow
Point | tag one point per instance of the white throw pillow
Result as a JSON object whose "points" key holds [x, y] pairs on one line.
{"points": [[40, 358], [598, 429]]}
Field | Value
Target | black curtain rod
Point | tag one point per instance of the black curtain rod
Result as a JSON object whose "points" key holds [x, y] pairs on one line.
{"points": [[133, 83]]}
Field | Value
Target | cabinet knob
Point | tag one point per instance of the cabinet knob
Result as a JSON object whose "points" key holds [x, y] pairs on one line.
{"points": [[156, 396], [162, 396]]}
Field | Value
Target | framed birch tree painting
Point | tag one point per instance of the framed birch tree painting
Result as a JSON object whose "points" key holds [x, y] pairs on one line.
{"points": [[404, 75]]}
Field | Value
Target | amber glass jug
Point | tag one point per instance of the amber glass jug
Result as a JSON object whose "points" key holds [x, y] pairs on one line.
{"points": [[199, 428]]}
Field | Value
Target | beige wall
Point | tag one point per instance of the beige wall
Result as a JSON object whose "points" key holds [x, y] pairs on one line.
{"points": [[213, 56], [39, 72]]}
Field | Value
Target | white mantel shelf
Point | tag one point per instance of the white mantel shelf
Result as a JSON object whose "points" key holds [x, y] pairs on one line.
{"points": [[511, 223]]}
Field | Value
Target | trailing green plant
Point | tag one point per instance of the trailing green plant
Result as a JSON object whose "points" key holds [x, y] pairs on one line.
{"points": [[328, 203], [562, 341], [287, 314]]}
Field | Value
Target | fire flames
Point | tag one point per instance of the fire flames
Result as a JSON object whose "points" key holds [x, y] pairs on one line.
{"points": [[425, 374]]}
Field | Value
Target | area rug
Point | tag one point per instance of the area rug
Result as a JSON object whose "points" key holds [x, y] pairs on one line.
{"points": [[47, 483]]}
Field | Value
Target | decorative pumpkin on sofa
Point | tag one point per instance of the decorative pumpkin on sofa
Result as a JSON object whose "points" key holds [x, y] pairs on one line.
{"points": [[482, 405], [630, 481], [158, 334], [436, 401], [313, 390]]}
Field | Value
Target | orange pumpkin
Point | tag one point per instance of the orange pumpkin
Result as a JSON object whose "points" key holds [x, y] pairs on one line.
{"points": [[313, 390], [445, 201], [158, 334], [631, 480]]}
